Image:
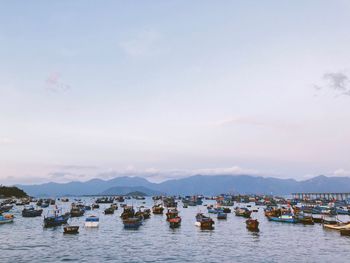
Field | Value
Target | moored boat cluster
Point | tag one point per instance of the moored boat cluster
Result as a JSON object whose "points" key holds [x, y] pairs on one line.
{"points": [[276, 209]]}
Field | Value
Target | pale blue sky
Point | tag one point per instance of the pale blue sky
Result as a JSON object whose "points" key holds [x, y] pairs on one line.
{"points": [[172, 88]]}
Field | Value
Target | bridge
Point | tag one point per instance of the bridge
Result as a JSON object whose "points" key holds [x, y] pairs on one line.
{"points": [[325, 196]]}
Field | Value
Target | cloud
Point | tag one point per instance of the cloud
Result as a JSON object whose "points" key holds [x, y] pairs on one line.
{"points": [[341, 172], [142, 44], [234, 170], [336, 81]]}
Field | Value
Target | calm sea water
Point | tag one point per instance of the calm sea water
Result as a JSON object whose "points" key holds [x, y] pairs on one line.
{"points": [[27, 241]]}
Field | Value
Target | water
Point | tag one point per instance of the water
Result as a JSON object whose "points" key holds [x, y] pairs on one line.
{"points": [[27, 241]]}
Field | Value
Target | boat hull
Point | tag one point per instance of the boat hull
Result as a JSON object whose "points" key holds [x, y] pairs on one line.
{"points": [[91, 224], [283, 220]]}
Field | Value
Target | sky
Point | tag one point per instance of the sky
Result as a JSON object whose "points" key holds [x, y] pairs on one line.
{"points": [[166, 89]]}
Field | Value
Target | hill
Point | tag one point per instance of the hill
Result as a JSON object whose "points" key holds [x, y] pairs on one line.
{"points": [[12, 191]]}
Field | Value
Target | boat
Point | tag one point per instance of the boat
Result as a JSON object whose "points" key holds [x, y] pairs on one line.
{"points": [[128, 212], [71, 230], [317, 219], [132, 222], [109, 211], [169, 202], [56, 218], [172, 213], [329, 220], [252, 224], [8, 218], [92, 221], [204, 222], [245, 212], [304, 219], [95, 206], [143, 213], [76, 211], [338, 226], [44, 205], [119, 199], [158, 209], [174, 222], [221, 215], [5, 208], [226, 210], [105, 200], [287, 218], [345, 232], [30, 211]]}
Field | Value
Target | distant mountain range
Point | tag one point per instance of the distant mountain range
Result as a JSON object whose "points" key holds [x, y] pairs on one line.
{"points": [[197, 184]]}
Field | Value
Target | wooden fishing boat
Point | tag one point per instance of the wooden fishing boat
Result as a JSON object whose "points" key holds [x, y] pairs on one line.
{"points": [[104, 200], [226, 210], [30, 211], [92, 221], [317, 219], [143, 213], [204, 222], [272, 212], [158, 209], [95, 206], [169, 202], [71, 230], [245, 212], [252, 224], [174, 222], [5, 208], [345, 232], [76, 211], [172, 213], [132, 222], [56, 218], [304, 219], [339, 226], [109, 211], [128, 212]]}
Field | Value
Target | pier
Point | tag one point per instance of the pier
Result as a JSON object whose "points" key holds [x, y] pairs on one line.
{"points": [[324, 196]]}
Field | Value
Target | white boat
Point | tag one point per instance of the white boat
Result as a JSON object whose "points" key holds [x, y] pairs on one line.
{"points": [[92, 221]]}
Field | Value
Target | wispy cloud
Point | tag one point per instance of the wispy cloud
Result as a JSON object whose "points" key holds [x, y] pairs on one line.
{"points": [[336, 81], [341, 172], [143, 43], [54, 83]]}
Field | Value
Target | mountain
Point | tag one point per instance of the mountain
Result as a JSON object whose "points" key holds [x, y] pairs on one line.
{"points": [[125, 190], [197, 184], [91, 187], [211, 185]]}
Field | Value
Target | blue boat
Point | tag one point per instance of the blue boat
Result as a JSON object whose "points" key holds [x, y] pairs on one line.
{"points": [[56, 218], [221, 215], [212, 210], [284, 219], [6, 219], [132, 222], [92, 221]]}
